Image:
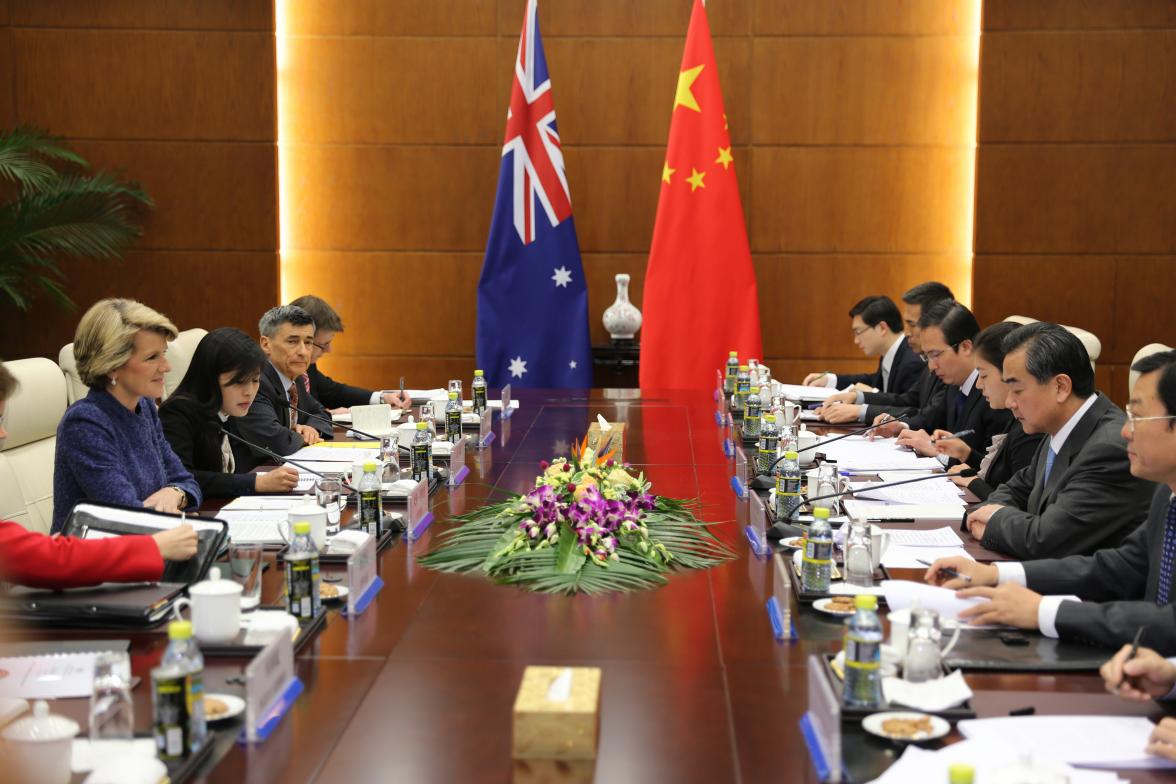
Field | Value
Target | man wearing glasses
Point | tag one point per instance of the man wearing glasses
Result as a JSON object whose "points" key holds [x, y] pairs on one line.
{"points": [[1119, 590], [1078, 495]]}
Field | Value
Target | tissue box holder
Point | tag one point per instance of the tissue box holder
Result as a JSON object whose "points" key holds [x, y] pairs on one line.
{"points": [[568, 729]]}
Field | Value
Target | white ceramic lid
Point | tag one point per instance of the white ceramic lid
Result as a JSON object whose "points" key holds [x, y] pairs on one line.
{"points": [[41, 726], [214, 585]]}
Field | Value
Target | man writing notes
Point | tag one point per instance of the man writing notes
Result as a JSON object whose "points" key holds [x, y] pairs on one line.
{"points": [[274, 421], [1121, 588], [947, 331], [877, 331], [333, 394], [924, 393], [1078, 494]]}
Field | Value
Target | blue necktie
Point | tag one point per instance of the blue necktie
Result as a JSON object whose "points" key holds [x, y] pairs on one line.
{"points": [[1049, 461], [961, 399], [1167, 554]]}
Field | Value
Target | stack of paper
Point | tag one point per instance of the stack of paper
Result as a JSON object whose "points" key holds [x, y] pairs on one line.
{"points": [[901, 594], [799, 392], [930, 491], [992, 762], [1119, 740], [859, 453], [880, 510], [47, 677], [336, 454], [909, 548]]}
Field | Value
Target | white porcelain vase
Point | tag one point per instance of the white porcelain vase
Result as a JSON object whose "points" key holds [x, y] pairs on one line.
{"points": [[622, 319]]}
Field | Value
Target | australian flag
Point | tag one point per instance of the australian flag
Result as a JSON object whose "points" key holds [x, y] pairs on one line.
{"points": [[532, 301]]}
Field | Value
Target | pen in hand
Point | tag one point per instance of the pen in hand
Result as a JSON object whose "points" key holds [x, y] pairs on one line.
{"points": [[948, 571], [1131, 655], [960, 434]]}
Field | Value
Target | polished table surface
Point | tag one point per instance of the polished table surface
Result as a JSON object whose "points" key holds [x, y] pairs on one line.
{"points": [[420, 687]]}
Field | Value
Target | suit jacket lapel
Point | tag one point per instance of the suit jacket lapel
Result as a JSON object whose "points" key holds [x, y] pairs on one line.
{"points": [[1074, 443], [1038, 492], [970, 405], [281, 402]]}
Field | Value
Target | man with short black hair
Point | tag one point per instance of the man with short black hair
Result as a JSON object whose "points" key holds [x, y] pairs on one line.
{"points": [[1122, 589], [877, 331], [275, 420], [333, 394], [1078, 494]]}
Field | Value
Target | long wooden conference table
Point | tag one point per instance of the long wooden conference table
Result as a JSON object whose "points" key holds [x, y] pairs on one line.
{"points": [[420, 687]]}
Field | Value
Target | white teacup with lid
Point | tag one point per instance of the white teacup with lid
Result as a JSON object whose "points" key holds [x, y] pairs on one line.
{"points": [[40, 746], [216, 608], [312, 513]]}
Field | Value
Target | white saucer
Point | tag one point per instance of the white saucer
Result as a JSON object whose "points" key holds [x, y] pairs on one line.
{"points": [[235, 703], [873, 725]]}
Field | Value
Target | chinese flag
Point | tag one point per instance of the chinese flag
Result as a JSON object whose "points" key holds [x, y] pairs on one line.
{"points": [[700, 299]]}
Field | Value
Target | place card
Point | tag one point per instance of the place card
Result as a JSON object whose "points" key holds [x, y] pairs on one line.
{"points": [[821, 724], [485, 434], [739, 481], [507, 413], [362, 581], [457, 467], [418, 516], [270, 688], [780, 602]]}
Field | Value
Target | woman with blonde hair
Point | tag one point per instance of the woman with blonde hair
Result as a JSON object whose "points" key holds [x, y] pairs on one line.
{"points": [[110, 445]]}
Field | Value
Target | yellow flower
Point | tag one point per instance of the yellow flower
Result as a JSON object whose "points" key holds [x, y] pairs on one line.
{"points": [[582, 486], [619, 477]]}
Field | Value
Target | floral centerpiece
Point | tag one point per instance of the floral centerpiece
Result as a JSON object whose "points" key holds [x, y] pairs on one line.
{"points": [[590, 524]]}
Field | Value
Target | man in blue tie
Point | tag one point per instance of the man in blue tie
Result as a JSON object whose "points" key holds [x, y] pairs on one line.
{"points": [[1078, 494], [1121, 589]]}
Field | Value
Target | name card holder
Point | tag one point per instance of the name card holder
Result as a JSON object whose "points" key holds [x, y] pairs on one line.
{"points": [[506, 410], [821, 725], [419, 515], [457, 467], [739, 481], [757, 525], [485, 434], [270, 689], [362, 581], [780, 602], [719, 388]]}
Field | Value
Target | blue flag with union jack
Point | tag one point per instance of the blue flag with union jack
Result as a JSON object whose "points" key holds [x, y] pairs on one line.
{"points": [[532, 301]]}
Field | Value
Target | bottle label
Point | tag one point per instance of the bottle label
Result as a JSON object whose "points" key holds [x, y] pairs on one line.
{"points": [[453, 425], [369, 512], [300, 579], [862, 655], [819, 551], [479, 399], [420, 462], [172, 716]]}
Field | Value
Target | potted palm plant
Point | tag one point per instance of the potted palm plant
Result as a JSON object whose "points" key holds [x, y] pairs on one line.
{"points": [[54, 208]]}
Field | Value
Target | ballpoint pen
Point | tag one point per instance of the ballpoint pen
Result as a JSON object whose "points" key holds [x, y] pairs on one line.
{"points": [[948, 571], [1131, 655], [960, 434]]}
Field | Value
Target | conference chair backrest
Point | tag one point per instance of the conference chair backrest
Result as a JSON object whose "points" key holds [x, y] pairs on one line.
{"points": [[179, 356], [1146, 351], [26, 458], [75, 389], [1089, 339]]}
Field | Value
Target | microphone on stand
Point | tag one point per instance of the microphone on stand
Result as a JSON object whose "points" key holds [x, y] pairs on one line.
{"points": [[275, 456], [781, 529], [765, 481]]}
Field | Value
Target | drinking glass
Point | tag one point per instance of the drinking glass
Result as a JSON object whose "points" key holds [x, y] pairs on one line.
{"points": [[245, 563], [112, 713]]}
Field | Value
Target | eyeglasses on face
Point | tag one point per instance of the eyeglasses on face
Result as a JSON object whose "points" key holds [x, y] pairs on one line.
{"points": [[1131, 419], [931, 356]]}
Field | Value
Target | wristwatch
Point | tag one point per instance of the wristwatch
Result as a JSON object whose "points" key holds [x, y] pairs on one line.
{"points": [[183, 495]]}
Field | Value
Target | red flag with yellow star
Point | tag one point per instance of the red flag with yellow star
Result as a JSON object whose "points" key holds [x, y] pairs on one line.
{"points": [[700, 298]]}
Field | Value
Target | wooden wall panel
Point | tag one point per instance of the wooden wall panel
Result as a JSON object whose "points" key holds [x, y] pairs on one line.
{"points": [[1074, 191], [181, 97], [865, 17], [390, 17], [147, 84], [644, 19]]}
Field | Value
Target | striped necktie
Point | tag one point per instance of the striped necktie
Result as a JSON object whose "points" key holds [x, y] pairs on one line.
{"points": [[1167, 555], [293, 404]]}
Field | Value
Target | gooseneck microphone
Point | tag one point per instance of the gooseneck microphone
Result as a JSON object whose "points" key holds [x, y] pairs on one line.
{"points": [[331, 422], [784, 528], [275, 456]]}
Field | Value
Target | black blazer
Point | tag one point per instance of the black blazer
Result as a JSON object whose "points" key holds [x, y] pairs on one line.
{"points": [[333, 394], [904, 372], [1014, 454], [1117, 587], [977, 416], [268, 420], [196, 439], [1091, 500], [924, 398]]}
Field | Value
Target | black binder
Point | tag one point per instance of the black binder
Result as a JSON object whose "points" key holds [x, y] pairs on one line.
{"points": [[89, 520], [124, 605], [1022, 651]]}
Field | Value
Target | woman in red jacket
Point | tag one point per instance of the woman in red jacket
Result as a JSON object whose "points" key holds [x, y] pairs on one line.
{"points": [[44, 561]]}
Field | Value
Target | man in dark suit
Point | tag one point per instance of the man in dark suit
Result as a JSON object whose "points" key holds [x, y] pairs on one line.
{"points": [[274, 420], [947, 331], [1078, 494], [927, 391], [333, 394], [1121, 588]]}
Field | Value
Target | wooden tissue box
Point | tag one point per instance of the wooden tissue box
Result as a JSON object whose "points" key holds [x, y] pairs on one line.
{"points": [[599, 441], [557, 729]]}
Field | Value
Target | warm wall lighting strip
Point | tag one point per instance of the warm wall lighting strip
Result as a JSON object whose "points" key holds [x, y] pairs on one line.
{"points": [[284, 175]]}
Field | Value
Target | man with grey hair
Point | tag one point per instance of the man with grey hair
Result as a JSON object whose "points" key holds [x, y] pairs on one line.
{"points": [[276, 419]]}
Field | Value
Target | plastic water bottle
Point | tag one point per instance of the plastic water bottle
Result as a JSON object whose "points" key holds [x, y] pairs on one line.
{"points": [[742, 389], [788, 498], [863, 655], [422, 446], [112, 712], [302, 574], [817, 569], [453, 418], [765, 453], [751, 417], [732, 372], [177, 694], [370, 500], [478, 390]]}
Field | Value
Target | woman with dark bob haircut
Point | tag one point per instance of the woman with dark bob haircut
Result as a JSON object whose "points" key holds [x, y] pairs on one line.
{"points": [[220, 386]]}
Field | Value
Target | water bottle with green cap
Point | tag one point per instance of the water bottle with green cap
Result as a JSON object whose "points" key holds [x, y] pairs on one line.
{"points": [[732, 372], [863, 655], [302, 574], [453, 418], [817, 569], [751, 416], [422, 446], [177, 695], [478, 390], [370, 501]]}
